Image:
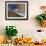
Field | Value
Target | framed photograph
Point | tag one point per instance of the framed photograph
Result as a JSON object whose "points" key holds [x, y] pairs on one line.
{"points": [[16, 10]]}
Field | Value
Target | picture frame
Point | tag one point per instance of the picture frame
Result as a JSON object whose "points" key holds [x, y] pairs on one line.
{"points": [[16, 10]]}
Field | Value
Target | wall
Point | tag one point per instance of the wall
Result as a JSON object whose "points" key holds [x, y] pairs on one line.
{"points": [[25, 27]]}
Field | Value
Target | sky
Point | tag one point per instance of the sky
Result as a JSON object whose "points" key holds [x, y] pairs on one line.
{"points": [[12, 6]]}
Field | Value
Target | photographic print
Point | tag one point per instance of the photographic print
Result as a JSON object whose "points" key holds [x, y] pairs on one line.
{"points": [[17, 10]]}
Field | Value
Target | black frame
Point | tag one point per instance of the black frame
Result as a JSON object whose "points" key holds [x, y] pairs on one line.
{"points": [[16, 19]]}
